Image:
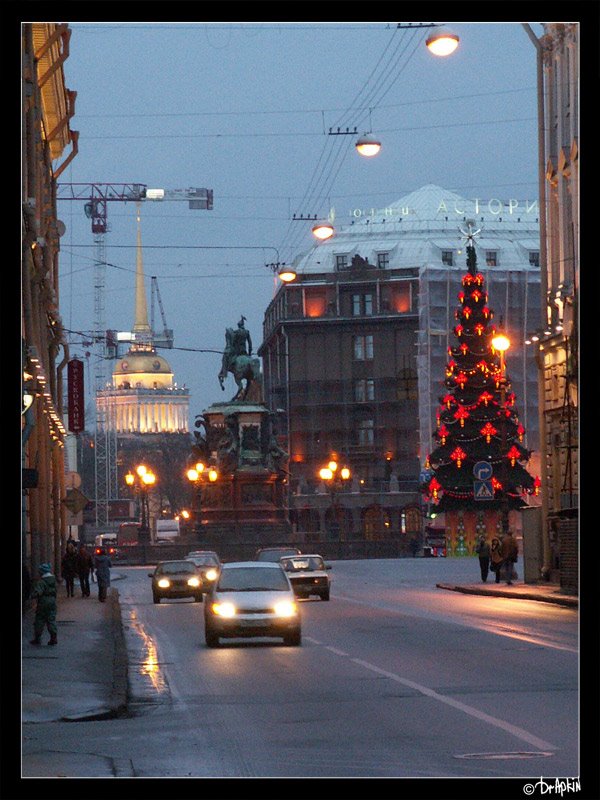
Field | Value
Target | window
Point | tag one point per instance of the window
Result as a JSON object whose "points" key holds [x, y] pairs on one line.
{"points": [[383, 260], [407, 380], [366, 432], [363, 348], [534, 258], [362, 304], [341, 261], [491, 258], [364, 390], [448, 258]]}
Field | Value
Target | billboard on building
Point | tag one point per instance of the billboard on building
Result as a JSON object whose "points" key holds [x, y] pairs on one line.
{"points": [[76, 404]]}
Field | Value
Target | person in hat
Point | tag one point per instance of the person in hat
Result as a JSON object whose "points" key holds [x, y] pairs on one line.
{"points": [[44, 591]]}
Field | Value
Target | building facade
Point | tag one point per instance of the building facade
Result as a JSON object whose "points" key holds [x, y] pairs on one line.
{"points": [[49, 145], [355, 349], [557, 342]]}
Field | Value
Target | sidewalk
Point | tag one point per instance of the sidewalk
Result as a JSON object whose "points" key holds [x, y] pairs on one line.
{"points": [[85, 675], [543, 592]]}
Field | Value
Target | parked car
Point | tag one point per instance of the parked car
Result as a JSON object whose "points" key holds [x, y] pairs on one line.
{"points": [[252, 598], [308, 575], [208, 564], [176, 579], [275, 553]]}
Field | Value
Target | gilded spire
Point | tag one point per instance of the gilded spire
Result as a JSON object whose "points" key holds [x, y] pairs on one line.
{"points": [[141, 324]]}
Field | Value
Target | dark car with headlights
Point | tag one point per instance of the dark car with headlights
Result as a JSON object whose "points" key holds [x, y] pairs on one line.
{"points": [[208, 565], [275, 553], [308, 575], [252, 598], [174, 579]]}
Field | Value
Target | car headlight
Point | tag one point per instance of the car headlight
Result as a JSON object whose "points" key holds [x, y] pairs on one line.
{"points": [[223, 609], [211, 574], [286, 608], [194, 582], [164, 583]]}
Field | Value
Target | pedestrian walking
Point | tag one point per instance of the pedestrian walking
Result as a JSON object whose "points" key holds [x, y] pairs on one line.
{"points": [[510, 551], [69, 568], [496, 558], [44, 591], [483, 551], [85, 565], [102, 565]]}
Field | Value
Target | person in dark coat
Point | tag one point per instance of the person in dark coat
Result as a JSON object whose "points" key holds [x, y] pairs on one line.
{"points": [[510, 550], [496, 558], [84, 566], [69, 568], [44, 591], [102, 565], [483, 551]]}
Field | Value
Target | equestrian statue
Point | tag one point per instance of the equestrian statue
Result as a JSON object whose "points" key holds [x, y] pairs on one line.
{"points": [[238, 359]]}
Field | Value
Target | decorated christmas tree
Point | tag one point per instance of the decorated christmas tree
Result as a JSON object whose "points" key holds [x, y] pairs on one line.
{"points": [[477, 418]]}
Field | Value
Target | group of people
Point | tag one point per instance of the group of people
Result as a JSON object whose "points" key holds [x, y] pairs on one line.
{"points": [[74, 563], [77, 563], [498, 557]]}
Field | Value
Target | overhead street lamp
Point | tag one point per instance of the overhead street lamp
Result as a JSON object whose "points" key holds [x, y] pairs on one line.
{"points": [[442, 42], [142, 480]]}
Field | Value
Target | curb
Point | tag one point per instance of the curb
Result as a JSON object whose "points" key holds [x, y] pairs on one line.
{"points": [[119, 696], [556, 599]]}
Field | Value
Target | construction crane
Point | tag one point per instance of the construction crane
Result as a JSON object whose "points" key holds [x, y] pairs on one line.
{"points": [[166, 339], [96, 197]]}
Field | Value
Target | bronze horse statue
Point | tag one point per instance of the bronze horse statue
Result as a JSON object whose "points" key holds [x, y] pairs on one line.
{"points": [[243, 368]]}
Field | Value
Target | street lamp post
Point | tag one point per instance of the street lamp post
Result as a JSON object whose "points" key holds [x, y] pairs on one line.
{"points": [[335, 479], [142, 479], [197, 475], [501, 343]]}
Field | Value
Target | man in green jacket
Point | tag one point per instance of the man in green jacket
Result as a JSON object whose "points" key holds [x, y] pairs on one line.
{"points": [[44, 591]]}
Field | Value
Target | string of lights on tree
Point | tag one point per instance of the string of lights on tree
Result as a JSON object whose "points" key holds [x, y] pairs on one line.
{"points": [[477, 417]]}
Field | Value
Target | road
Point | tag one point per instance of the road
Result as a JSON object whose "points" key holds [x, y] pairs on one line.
{"points": [[395, 678]]}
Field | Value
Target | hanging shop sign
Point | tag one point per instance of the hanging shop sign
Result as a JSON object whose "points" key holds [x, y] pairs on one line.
{"points": [[76, 395]]}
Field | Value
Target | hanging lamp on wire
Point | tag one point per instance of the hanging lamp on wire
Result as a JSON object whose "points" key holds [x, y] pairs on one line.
{"points": [[442, 42], [368, 145]]}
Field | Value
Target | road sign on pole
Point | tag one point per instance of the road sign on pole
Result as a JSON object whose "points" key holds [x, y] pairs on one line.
{"points": [[483, 490], [482, 470]]}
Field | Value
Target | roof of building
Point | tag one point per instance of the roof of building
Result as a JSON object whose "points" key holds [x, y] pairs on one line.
{"points": [[142, 363], [415, 229]]}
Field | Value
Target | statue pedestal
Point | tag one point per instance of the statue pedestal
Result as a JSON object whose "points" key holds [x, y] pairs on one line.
{"points": [[248, 501]]}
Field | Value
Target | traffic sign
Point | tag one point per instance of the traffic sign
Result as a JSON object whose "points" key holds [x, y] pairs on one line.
{"points": [[482, 471], [75, 501], [483, 490]]}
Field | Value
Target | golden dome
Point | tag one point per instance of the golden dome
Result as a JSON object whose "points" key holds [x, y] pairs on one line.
{"points": [[135, 363], [142, 370]]}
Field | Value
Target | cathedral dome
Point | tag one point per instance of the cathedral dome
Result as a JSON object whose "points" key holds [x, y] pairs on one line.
{"points": [[150, 363], [142, 370]]}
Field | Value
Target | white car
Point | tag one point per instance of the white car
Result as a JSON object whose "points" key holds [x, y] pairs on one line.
{"points": [[252, 598], [308, 575]]}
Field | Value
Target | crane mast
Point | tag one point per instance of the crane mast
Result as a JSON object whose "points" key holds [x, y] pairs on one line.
{"points": [[96, 197]]}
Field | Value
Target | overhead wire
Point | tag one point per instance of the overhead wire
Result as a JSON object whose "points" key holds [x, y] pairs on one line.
{"points": [[333, 153]]}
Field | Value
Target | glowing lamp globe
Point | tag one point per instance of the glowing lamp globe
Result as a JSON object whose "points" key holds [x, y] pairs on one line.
{"points": [[442, 42], [368, 145], [323, 230]]}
